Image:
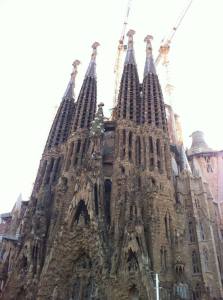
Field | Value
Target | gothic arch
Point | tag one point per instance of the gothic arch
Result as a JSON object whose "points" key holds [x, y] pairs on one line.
{"points": [[132, 261], [191, 231], [133, 293], [81, 212]]}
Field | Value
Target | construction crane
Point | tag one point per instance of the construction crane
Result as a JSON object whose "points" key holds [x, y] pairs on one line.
{"points": [[165, 46], [120, 50]]}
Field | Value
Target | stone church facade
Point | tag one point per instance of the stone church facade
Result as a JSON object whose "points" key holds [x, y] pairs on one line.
{"points": [[117, 201]]}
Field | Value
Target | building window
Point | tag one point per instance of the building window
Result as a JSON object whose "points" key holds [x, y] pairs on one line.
{"points": [[202, 231], [84, 148], [48, 171], [70, 153], [77, 151], [96, 198], [35, 255], [197, 203], [82, 213], [151, 144], [138, 151], [133, 293], [167, 222], [107, 199], [132, 261], [197, 292], [56, 170], [195, 262], [167, 160], [132, 212], [219, 264], [158, 152], [43, 171], [166, 227], [123, 144], [163, 258], [144, 151], [130, 146], [191, 230], [205, 257], [209, 166]]}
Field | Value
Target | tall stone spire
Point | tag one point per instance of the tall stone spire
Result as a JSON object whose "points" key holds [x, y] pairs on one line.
{"points": [[63, 120], [69, 93], [129, 94], [149, 65], [86, 103], [153, 109], [130, 56]]}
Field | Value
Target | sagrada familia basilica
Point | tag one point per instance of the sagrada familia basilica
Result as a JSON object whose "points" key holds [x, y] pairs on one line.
{"points": [[119, 209]]}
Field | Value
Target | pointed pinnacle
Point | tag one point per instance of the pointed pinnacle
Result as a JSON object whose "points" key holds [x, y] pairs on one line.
{"points": [[130, 35], [94, 53], [69, 93], [148, 40], [91, 72], [149, 66], [130, 57], [75, 64]]}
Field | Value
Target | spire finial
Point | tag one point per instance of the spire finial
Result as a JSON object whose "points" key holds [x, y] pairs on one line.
{"points": [[130, 57], [75, 64], [94, 47], [130, 35], [69, 93], [149, 66], [91, 72], [148, 40]]}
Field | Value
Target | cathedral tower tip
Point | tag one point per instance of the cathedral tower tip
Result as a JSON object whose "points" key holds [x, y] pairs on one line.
{"points": [[62, 122], [94, 47], [69, 93], [149, 65], [86, 102], [75, 64], [128, 106], [130, 35], [91, 71], [130, 57]]}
